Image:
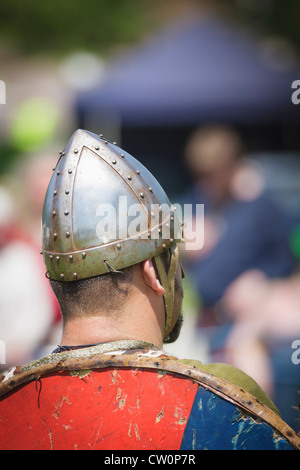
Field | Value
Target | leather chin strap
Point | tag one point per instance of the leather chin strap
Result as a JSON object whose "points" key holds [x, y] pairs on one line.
{"points": [[167, 279]]}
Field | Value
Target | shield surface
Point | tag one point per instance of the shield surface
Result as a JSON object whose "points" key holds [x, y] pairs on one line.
{"points": [[141, 400]]}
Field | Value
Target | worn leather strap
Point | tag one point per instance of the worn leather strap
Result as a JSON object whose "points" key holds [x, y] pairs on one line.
{"points": [[167, 279]]}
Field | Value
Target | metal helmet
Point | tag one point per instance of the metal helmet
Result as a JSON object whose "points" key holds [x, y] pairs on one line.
{"points": [[104, 211]]}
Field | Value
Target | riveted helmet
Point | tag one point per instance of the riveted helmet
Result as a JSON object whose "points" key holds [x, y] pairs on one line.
{"points": [[104, 211]]}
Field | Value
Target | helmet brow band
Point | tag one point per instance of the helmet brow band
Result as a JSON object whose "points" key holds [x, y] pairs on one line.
{"points": [[167, 280]]}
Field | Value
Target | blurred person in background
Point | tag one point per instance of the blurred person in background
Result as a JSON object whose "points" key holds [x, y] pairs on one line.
{"points": [[266, 321], [26, 314], [33, 174], [243, 228], [244, 272]]}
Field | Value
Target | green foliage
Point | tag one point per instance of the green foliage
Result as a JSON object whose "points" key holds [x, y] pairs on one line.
{"points": [[267, 17], [295, 242], [63, 26], [8, 157]]}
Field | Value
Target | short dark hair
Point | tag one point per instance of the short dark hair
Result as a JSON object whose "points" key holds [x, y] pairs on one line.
{"points": [[85, 295]]}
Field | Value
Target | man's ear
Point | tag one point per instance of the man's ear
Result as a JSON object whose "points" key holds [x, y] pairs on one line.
{"points": [[151, 278]]}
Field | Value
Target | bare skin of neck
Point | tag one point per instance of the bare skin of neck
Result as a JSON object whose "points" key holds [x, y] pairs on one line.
{"points": [[142, 317]]}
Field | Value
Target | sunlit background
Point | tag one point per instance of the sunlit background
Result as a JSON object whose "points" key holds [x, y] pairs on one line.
{"points": [[147, 75]]}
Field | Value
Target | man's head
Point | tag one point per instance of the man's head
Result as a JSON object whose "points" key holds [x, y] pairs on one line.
{"points": [[104, 221], [212, 153]]}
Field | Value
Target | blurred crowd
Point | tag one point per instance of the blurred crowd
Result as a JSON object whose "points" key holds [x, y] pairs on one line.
{"points": [[245, 274]]}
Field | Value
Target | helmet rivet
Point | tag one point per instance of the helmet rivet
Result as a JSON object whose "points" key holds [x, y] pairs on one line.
{"points": [[69, 171], [75, 151], [41, 252], [55, 236], [142, 195], [57, 258], [114, 162], [55, 193], [66, 191], [66, 212], [83, 255], [137, 172], [129, 177], [97, 147], [58, 172], [70, 258], [54, 213], [75, 275], [105, 142], [67, 234], [119, 246], [122, 155], [50, 256], [62, 276], [150, 189], [115, 143]]}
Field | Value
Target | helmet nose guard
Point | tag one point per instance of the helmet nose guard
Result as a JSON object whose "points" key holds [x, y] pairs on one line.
{"points": [[94, 177]]}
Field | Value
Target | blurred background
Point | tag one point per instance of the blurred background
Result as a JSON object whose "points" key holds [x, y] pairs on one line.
{"points": [[201, 93]]}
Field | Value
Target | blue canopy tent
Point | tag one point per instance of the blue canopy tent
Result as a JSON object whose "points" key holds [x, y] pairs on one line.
{"points": [[196, 71]]}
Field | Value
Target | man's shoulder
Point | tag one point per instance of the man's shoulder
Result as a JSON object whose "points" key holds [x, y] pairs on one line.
{"points": [[236, 377]]}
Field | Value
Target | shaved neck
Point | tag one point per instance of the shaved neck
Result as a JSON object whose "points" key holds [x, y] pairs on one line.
{"points": [[141, 317]]}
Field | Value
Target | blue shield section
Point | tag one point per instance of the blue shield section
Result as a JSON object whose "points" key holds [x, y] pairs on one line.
{"points": [[216, 424]]}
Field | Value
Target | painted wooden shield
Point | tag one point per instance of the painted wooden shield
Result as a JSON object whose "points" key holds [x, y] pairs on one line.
{"points": [[142, 400]]}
